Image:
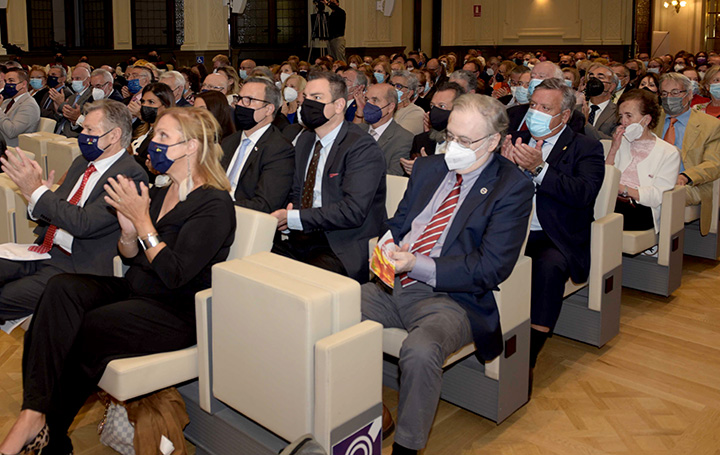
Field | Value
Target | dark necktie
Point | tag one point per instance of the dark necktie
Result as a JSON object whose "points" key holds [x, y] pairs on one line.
{"points": [[9, 105], [434, 229], [309, 187], [593, 110], [74, 200]]}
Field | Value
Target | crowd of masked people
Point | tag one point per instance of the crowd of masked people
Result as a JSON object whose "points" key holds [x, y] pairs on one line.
{"points": [[489, 145]]}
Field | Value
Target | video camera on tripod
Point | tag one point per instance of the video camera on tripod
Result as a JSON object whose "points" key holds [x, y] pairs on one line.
{"points": [[319, 21]]}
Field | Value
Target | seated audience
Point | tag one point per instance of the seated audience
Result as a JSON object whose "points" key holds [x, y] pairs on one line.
{"points": [[381, 70], [192, 84], [291, 91], [356, 83], [600, 112], [219, 61], [233, 87], [694, 76], [101, 86], [697, 136], [176, 82], [408, 115], [337, 201], [259, 161], [519, 84], [465, 79], [622, 72], [56, 94], [74, 225], [217, 104], [38, 83], [71, 109], [138, 77], [19, 113], [567, 169], [156, 98], [246, 68], [447, 266], [84, 321], [711, 85], [651, 83], [393, 139], [423, 89], [648, 164]]}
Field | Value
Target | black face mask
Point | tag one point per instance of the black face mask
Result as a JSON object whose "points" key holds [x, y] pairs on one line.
{"points": [[594, 87], [564, 65], [245, 118], [148, 114], [52, 81], [518, 61], [312, 114], [633, 75], [439, 118], [582, 73], [303, 74], [499, 78]]}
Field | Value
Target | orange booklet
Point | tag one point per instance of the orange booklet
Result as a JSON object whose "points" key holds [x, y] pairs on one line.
{"points": [[381, 264]]}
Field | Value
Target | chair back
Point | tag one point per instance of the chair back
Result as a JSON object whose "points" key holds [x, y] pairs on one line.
{"points": [[254, 233], [47, 125], [60, 155], [605, 201], [396, 186]]}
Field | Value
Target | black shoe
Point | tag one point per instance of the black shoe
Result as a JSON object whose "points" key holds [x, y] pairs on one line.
{"points": [[530, 383], [400, 450]]}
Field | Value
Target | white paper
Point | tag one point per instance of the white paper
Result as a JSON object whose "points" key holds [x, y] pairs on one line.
{"points": [[166, 446], [18, 252], [9, 326]]}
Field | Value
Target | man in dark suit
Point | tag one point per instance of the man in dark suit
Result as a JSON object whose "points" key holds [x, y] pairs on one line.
{"points": [[540, 72], [356, 82], [71, 109], [259, 161], [337, 202], [55, 97], [600, 112], [437, 73], [101, 84], [393, 139], [567, 169], [459, 229], [176, 81], [75, 224]]}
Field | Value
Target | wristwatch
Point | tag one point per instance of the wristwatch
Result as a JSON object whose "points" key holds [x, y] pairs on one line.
{"points": [[625, 192], [538, 170], [149, 241]]}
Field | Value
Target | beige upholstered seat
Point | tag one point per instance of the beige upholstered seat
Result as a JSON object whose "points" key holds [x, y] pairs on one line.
{"points": [[47, 125]]}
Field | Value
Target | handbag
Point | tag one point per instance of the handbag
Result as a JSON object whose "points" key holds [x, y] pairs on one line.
{"points": [[115, 429]]}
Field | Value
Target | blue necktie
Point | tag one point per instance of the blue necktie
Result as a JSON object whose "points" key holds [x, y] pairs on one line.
{"points": [[237, 165]]}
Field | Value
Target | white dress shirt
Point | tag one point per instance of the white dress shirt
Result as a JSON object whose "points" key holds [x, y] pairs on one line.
{"points": [[254, 138], [547, 147], [63, 238], [602, 107], [377, 132]]}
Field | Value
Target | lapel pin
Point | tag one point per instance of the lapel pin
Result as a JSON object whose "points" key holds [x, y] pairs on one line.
{"points": [[565, 148], [483, 190]]}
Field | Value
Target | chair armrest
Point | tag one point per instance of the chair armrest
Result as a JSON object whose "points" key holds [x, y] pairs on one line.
{"points": [[605, 255], [672, 221], [513, 298], [348, 380], [119, 268], [203, 308]]}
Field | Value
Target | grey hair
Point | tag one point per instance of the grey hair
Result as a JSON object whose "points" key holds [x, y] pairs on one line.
{"points": [[677, 77], [63, 71], [116, 115], [466, 76], [82, 67], [412, 80], [487, 107], [568, 95], [361, 78], [13, 64], [615, 78], [272, 93], [107, 77], [264, 70], [175, 75]]}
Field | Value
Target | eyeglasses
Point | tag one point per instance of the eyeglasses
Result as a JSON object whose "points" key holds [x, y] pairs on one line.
{"points": [[101, 86], [518, 83], [400, 86], [462, 140], [212, 87], [672, 93], [247, 100]]}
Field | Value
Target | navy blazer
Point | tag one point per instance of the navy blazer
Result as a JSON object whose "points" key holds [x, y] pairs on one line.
{"points": [[516, 115], [353, 195], [483, 242], [565, 201]]}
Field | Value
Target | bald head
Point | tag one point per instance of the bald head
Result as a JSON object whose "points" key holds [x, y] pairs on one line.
{"points": [[546, 70]]}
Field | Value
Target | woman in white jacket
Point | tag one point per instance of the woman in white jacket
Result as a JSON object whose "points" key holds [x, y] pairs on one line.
{"points": [[649, 165]]}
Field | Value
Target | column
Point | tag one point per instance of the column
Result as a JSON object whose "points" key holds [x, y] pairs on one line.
{"points": [[122, 24], [206, 25]]}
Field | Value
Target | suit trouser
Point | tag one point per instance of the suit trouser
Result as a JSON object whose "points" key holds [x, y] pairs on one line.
{"points": [[437, 326], [312, 249], [23, 282], [82, 323], [336, 48], [550, 272]]}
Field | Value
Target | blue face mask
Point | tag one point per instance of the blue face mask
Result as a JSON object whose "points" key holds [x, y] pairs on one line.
{"points": [[715, 90], [134, 85], [653, 70], [695, 87], [89, 146], [533, 83], [242, 74], [539, 123], [427, 87], [372, 113], [399, 94], [619, 85], [379, 77], [158, 156], [569, 83], [521, 94], [10, 90], [36, 83], [78, 86]]}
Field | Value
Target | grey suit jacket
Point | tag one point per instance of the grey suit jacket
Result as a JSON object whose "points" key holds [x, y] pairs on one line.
{"points": [[23, 117], [64, 125], [605, 124], [395, 143], [94, 226], [50, 111]]}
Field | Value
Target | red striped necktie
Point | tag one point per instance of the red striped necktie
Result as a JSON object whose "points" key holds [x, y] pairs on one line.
{"points": [[434, 229], [50, 234]]}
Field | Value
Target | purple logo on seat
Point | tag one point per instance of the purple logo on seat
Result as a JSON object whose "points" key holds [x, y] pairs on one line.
{"points": [[365, 441]]}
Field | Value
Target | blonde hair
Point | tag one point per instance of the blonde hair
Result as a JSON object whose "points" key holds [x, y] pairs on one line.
{"points": [[200, 124]]}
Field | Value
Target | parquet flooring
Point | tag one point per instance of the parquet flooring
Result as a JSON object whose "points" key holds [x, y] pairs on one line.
{"points": [[654, 389]]}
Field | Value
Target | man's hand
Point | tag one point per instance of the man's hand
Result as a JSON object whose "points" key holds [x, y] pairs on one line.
{"points": [[24, 172], [71, 112], [499, 93], [507, 148], [57, 97], [682, 180], [426, 122], [281, 216], [586, 111], [125, 92], [134, 107], [408, 164], [404, 260], [528, 157]]}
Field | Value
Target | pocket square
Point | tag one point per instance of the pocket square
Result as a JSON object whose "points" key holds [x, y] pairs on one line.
{"points": [[331, 175]]}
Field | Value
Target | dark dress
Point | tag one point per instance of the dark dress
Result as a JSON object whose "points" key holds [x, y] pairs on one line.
{"points": [[82, 322]]}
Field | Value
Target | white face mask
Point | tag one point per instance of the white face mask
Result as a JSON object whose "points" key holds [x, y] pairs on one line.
{"points": [[97, 93], [284, 77], [459, 157], [633, 132], [290, 94]]}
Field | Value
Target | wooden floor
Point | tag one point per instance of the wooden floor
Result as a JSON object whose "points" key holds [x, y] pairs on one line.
{"points": [[654, 389]]}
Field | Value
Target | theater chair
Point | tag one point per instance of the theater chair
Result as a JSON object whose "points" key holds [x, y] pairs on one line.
{"points": [[36, 143], [135, 376], [707, 246], [15, 226], [46, 125], [60, 155], [285, 355], [591, 310], [661, 274], [395, 190]]}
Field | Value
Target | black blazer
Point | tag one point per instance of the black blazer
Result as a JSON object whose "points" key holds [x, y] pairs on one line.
{"points": [[50, 112], [516, 114], [267, 176], [183, 103], [565, 200], [353, 195], [420, 141], [95, 225]]}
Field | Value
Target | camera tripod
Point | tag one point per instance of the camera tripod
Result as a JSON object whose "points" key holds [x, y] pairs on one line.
{"points": [[320, 29]]}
